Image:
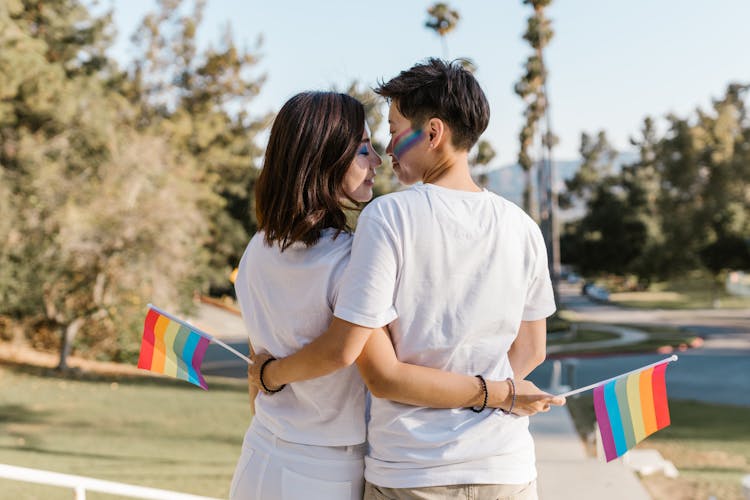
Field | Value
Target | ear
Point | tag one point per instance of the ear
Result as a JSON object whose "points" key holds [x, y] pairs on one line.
{"points": [[437, 132]]}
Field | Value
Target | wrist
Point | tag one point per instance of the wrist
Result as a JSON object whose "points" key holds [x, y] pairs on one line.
{"points": [[485, 395], [499, 394], [512, 388], [268, 376]]}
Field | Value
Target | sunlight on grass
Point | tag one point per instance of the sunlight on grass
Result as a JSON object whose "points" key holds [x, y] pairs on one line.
{"points": [[708, 443], [159, 433]]}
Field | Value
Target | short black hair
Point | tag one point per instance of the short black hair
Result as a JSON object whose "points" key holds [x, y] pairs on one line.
{"points": [[445, 90]]}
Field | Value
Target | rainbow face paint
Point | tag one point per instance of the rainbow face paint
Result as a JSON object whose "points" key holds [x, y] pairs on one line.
{"points": [[406, 140]]}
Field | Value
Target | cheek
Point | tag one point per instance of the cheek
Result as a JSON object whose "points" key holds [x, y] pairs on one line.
{"points": [[355, 175]]}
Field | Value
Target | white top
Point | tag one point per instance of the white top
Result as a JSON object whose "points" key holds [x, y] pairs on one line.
{"points": [[287, 299], [454, 273]]}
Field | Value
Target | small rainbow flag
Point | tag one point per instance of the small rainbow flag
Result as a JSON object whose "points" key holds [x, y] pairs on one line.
{"points": [[631, 407], [173, 348]]}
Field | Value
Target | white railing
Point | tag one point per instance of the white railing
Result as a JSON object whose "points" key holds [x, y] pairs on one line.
{"points": [[80, 484]]}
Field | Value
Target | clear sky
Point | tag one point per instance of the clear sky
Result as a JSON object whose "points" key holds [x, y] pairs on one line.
{"points": [[611, 62]]}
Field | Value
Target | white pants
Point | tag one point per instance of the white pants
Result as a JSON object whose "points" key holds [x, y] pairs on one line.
{"points": [[270, 468]]}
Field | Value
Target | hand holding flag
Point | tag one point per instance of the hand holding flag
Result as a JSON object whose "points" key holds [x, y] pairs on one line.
{"points": [[630, 407]]}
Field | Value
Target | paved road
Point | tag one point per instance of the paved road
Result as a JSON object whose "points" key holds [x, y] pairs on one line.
{"points": [[718, 372]]}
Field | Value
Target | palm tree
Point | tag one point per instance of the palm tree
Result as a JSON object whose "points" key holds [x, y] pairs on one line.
{"points": [[442, 19], [532, 88]]}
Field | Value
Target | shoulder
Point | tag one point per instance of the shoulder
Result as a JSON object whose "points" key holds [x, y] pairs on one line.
{"points": [[516, 215], [391, 205]]}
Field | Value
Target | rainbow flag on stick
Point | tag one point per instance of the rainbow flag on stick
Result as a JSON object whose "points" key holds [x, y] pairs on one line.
{"points": [[174, 347], [630, 407]]}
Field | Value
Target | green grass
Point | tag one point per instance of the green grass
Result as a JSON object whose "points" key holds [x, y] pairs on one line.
{"points": [[150, 432], [659, 336], [693, 291], [708, 443], [584, 335]]}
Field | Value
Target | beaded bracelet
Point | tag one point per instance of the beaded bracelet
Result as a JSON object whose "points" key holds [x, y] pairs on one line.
{"points": [[513, 397], [484, 389], [263, 367]]}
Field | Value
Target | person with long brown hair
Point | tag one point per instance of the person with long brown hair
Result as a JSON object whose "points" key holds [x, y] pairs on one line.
{"points": [[308, 441], [459, 275]]}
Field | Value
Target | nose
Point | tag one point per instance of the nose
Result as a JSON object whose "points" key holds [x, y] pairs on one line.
{"points": [[389, 148]]}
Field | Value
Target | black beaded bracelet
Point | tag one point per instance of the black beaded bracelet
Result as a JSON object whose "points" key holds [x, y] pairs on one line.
{"points": [[263, 367], [513, 397], [484, 389]]}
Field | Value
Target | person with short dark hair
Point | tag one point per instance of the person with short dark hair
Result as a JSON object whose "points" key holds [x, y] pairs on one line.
{"points": [[460, 277], [308, 440]]}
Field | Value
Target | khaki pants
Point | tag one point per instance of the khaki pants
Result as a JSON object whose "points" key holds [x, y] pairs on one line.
{"points": [[458, 492]]}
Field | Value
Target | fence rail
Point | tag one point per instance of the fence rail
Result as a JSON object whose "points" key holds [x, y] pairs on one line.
{"points": [[81, 484]]}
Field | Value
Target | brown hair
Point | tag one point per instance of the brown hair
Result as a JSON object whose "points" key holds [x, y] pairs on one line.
{"points": [[445, 90], [313, 141]]}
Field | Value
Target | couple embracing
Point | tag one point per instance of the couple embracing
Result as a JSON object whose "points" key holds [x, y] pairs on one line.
{"points": [[390, 361]]}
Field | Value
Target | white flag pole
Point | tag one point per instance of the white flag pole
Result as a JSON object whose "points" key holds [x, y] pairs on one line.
{"points": [[673, 357], [202, 333]]}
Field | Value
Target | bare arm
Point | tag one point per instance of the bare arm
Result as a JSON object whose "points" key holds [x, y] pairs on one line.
{"points": [[529, 349], [338, 347], [389, 378], [251, 388], [386, 377]]}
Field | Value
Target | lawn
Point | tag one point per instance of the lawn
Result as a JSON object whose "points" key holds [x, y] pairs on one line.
{"points": [[695, 290], [708, 443], [150, 432]]}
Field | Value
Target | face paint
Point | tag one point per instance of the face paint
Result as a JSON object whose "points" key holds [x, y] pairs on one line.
{"points": [[363, 150], [406, 140]]}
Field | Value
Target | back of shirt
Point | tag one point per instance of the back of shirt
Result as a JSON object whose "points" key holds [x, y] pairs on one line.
{"points": [[287, 300], [454, 273]]}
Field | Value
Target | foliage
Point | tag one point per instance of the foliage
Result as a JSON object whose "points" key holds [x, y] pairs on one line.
{"points": [[683, 204], [531, 88], [200, 102], [117, 188], [442, 19]]}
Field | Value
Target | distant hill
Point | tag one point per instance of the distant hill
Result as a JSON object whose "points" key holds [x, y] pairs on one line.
{"points": [[508, 180]]}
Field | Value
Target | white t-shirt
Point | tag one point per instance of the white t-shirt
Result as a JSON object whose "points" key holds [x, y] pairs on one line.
{"points": [[287, 300], [454, 273]]}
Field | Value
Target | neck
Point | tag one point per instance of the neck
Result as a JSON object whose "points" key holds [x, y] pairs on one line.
{"points": [[452, 172]]}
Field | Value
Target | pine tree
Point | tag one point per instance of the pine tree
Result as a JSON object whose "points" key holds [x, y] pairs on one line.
{"points": [[205, 112]]}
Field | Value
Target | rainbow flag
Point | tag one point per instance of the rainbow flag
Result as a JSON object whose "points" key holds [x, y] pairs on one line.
{"points": [[630, 408], [172, 348]]}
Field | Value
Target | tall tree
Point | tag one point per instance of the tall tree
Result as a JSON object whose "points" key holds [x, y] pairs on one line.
{"points": [[86, 247], [483, 155], [201, 100], [442, 19], [531, 88], [610, 236]]}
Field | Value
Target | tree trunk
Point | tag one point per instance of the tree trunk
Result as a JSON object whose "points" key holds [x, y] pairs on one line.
{"points": [[68, 335]]}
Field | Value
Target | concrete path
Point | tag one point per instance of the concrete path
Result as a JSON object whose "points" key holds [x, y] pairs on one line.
{"points": [[566, 472], [626, 336]]}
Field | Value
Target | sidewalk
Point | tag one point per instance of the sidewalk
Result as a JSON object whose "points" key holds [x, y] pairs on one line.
{"points": [[567, 473]]}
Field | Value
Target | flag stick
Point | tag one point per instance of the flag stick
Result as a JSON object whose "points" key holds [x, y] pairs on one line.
{"points": [[201, 332], [673, 357]]}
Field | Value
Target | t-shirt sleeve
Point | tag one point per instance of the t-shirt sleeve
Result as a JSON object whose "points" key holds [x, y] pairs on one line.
{"points": [[367, 289], [540, 298]]}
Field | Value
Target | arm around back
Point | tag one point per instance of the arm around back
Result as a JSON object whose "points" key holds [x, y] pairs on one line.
{"points": [[336, 348]]}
